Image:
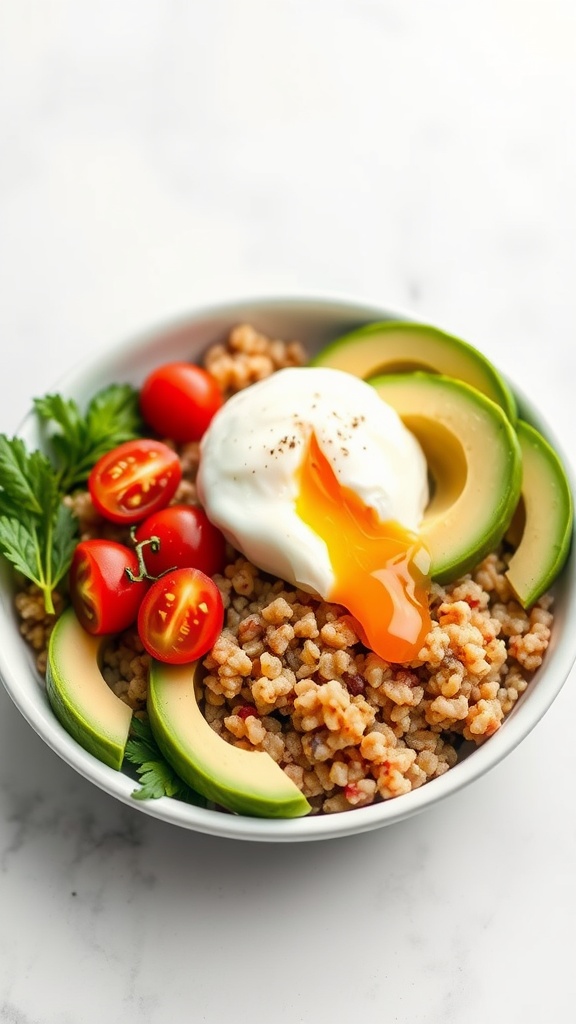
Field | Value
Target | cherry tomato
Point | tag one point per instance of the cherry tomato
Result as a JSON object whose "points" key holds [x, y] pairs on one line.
{"points": [[181, 616], [104, 598], [185, 536], [178, 400], [134, 479]]}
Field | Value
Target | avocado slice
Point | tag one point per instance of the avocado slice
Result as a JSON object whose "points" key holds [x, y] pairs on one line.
{"points": [[546, 508], [398, 346], [473, 458], [245, 781], [80, 696]]}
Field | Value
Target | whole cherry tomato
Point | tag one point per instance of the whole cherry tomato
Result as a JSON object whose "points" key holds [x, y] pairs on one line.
{"points": [[181, 616], [181, 536], [179, 399], [134, 479], [104, 597]]}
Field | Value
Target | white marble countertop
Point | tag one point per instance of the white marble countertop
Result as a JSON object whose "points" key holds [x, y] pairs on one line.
{"points": [[158, 154]]}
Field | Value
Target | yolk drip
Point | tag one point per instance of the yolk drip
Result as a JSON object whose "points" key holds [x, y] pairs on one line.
{"points": [[380, 569]]}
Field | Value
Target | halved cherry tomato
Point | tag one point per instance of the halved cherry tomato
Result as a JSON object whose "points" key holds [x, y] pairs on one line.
{"points": [[134, 479], [181, 616], [179, 399], [185, 537], [104, 598]]}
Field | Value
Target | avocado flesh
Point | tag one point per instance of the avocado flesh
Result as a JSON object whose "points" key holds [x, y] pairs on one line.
{"points": [[474, 459], [548, 518], [80, 696], [247, 782], [397, 346]]}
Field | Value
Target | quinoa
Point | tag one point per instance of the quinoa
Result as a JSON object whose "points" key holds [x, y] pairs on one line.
{"points": [[247, 356], [35, 623], [289, 676]]}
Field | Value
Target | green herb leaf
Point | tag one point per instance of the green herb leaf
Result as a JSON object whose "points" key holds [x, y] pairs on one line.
{"points": [[68, 440], [157, 777], [141, 746], [77, 441], [114, 410], [23, 476], [19, 544], [64, 540], [37, 531], [40, 547]]}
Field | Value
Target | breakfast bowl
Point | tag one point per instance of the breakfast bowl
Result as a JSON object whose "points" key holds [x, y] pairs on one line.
{"points": [[318, 323]]}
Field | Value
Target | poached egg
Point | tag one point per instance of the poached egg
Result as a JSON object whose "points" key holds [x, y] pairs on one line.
{"points": [[316, 480]]}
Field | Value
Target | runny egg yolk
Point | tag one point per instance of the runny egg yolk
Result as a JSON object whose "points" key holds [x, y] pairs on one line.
{"points": [[380, 568]]}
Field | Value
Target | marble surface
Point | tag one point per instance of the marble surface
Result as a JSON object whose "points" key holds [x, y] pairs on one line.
{"points": [[155, 154]]}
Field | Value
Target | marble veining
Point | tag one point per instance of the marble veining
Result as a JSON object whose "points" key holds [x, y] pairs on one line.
{"points": [[162, 154]]}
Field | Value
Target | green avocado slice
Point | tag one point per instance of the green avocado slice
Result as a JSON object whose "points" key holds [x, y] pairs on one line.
{"points": [[547, 509], [398, 346], [247, 782], [80, 696], [473, 458]]}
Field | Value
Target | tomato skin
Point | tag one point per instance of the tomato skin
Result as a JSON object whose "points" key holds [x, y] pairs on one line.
{"points": [[187, 538], [181, 616], [179, 399], [133, 480], [104, 598]]}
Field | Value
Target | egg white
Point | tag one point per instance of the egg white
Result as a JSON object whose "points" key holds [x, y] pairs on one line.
{"points": [[248, 479]]}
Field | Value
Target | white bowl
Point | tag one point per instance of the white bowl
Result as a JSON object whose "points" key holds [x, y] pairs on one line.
{"points": [[314, 321]]}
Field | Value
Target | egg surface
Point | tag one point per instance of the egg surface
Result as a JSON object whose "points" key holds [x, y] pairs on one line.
{"points": [[316, 480]]}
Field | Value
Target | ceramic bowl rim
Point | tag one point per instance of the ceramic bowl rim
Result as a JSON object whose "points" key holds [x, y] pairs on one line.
{"points": [[31, 699]]}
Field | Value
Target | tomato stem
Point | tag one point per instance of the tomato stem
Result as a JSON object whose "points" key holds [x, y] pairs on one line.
{"points": [[154, 544]]}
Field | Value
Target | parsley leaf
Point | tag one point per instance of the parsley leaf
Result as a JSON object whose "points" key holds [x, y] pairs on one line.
{"points": [[20, 546], [23, 476], [157, 777], [37, 532], [64, 540], [78, 441]]}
